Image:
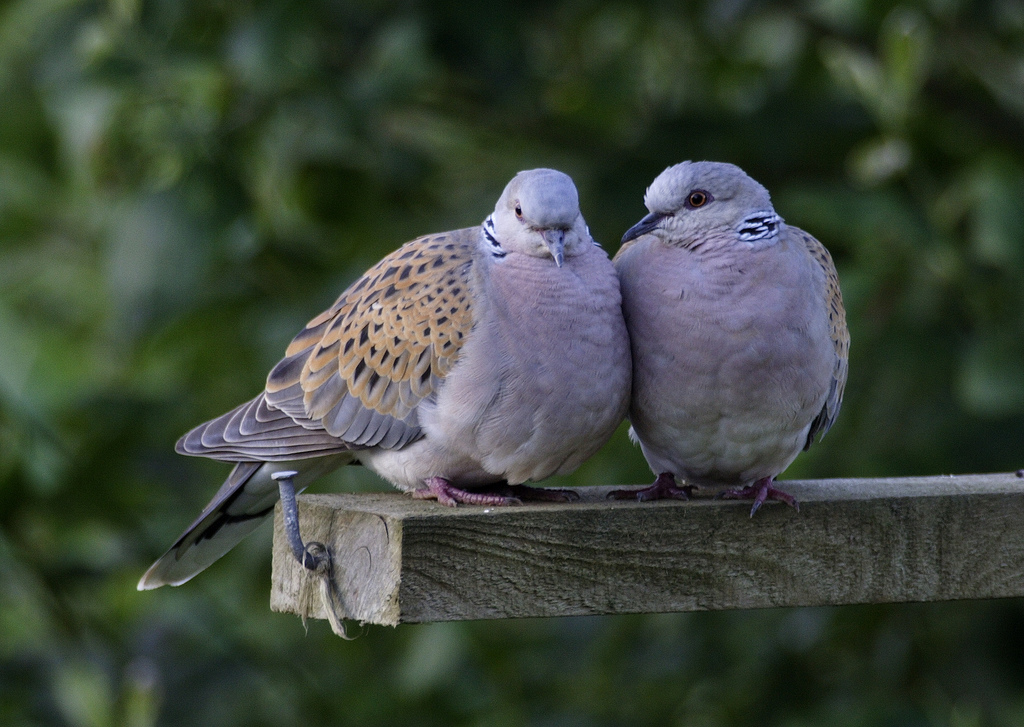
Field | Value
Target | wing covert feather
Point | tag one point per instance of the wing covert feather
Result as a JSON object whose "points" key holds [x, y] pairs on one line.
{"points": [[386, 344], [838, 331]]}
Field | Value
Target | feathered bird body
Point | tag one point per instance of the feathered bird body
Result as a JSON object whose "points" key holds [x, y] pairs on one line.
{"points": [[757, 366], [738, 333], [485, 355]]}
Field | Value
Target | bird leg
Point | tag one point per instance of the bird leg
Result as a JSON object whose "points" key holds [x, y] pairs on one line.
{"points": [[762, 490], [290, 511], [440, 489], [664, 488]]}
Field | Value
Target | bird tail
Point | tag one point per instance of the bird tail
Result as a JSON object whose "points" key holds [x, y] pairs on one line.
{"points": [[241, 505]]}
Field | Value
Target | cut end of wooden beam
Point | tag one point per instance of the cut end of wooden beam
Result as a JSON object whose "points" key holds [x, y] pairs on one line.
{"points": [[365, 545], [398, 560]]}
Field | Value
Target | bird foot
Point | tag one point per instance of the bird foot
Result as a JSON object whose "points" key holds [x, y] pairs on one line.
{"points": [[664, 488], [762, 490], [310, 555], [525, 493], [440, 489]]}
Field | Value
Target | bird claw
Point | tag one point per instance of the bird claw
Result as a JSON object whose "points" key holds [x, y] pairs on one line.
{"points": [[762, 491], [664, 488], [525, 493], [440, 489]]}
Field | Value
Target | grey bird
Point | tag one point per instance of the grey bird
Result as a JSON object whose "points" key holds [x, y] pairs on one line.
{"points": [[738, 334], [461, 365]]}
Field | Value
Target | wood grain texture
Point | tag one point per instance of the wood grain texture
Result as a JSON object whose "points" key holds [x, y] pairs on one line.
{"points": [[853, 541]]}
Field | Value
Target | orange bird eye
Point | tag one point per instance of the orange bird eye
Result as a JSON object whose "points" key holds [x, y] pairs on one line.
{"points": [[698, 198]]}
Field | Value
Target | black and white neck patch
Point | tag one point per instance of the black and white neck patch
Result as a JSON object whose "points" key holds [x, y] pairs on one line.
{"points": [[496, 249], [759, 226]]}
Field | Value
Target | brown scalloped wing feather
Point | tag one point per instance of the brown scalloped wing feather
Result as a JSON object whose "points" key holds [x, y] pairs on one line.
{"points": [[390, 338]]}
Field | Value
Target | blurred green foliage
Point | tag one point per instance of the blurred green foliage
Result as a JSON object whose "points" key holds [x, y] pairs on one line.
{"points": [[184, 184]]}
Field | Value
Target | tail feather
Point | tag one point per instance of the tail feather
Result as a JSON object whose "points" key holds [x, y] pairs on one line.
{"points": [[241, 505]]}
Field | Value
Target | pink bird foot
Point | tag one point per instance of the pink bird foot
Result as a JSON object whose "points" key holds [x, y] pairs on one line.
{"points": [[440, 489], [762, 490], [664, 488], [525, 493]]}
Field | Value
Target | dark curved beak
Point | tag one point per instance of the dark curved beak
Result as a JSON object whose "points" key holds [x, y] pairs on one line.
{"points": [[642, 227]]}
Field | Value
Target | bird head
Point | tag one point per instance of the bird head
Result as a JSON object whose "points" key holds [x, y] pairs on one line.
{"points": [[699, 203], [538, 214]]}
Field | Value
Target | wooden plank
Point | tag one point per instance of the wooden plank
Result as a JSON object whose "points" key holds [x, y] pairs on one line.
{"points": [[853, 541]]}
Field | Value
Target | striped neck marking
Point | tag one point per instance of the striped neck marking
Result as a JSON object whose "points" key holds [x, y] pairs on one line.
{"points": [[496, 249], [759, 226]]}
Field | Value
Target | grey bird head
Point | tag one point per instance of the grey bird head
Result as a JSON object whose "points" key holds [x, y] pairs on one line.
{"points": [[538, 214], [706, 203]]}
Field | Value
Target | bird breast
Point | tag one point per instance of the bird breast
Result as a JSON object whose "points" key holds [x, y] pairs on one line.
{"points": [[732, 355], [544, 377]]}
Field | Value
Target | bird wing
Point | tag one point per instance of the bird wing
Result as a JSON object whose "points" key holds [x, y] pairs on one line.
{"points": [[257, 431], [840, 334], [355, 375]]}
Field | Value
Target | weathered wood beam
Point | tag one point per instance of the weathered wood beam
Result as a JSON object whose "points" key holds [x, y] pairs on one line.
{"points": [[854, 541]]}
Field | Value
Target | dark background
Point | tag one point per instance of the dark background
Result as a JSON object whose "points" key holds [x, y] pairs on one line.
{"points": [[184, 184]]}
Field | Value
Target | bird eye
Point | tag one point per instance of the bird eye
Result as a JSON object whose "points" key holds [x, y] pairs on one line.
{"points": [[519, 211], [698, 198]]}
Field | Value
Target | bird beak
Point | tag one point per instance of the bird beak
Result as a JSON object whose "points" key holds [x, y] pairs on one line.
{"points": [[642, 227], [555, 240]]}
